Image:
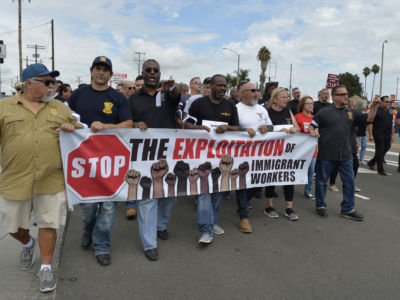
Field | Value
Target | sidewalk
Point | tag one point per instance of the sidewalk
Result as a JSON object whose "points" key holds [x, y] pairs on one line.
{"points": [[18, 284]]}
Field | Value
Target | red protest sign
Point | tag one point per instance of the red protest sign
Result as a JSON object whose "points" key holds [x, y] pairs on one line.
{"points": [[98, 171], [332, 81]]}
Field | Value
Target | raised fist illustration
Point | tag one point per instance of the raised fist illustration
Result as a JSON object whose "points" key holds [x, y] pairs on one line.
{"points": [[181, 171], [132, 177], [170, 179], [226, 163], [234, 176], [145, 183], [215, 174], [193, 177], [204, 169], [159, 169], [243, 169]]}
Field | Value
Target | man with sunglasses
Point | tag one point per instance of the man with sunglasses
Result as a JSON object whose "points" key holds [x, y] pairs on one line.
{"points": [[129, 89], [382, 133], [153, 108], [100, 107], [32, 178], [334, 126]]}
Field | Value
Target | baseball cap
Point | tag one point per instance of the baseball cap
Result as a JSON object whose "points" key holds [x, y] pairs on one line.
{"points": [[207, 80], [34, 70], [102, 60]]}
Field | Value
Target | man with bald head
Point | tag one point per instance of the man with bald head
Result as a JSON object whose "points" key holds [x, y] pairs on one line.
{"points": [[252, 118], [323, 97], [129, 89]]}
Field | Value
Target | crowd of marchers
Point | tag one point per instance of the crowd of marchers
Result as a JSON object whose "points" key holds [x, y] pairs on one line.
{"points": [[32, 177]]}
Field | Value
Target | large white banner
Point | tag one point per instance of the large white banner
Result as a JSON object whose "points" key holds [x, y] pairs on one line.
{"points": [[118, 164]]}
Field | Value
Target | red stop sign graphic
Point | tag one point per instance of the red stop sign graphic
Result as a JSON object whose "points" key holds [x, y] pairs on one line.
{"points": [[97, 167]]}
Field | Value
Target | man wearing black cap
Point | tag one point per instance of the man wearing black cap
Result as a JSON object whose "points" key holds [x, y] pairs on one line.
{"points": [[32, 177], [100, 107]]}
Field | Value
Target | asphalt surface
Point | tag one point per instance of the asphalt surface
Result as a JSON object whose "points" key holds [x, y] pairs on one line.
{"points": [[311, 258]]}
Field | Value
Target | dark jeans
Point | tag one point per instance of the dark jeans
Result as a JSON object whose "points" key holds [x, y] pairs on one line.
{"points": [[356, 164], [324, 169], [381, 147], [242, 198], [332, 177]]}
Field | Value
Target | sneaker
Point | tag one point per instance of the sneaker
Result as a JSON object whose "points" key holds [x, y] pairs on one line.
{"points": [[291, 215], [217, 229], [27, 258], [47, 281], [131, 213], [103, 259], [271, 212], [245, 226], [370, 166], [333, 188], [356, 216], [162, 234], [151, 254], [86, 240], [309, 196], [322, 212], [205, 239], [357, 189]]}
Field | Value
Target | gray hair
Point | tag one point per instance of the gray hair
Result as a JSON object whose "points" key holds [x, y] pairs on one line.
{"points": [[360, 105]]}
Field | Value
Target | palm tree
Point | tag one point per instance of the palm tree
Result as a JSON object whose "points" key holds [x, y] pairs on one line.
{"points": [[375, 69], [264, 56], [366, 72], [243, 76]]}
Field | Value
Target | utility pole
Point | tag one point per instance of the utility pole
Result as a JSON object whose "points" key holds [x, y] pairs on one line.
{"points": [[269, 77], [290, 81], [20, 38], [380, 84], [36, 47], [139, 61], [52, 45], [397, 87]]}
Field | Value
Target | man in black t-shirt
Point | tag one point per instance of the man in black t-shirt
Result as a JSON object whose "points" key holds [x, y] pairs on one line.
{"points": [[382, 132], [100, 107], [211, 108], [334, 127], [294, 103], [154, 109], [323, 97]]}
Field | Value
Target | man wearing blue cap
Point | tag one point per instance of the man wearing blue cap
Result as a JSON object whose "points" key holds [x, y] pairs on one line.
{"points": [[32, 178], [100, 107]]}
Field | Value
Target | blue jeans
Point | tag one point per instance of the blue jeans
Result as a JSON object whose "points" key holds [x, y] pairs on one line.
{"points": [[307, 187], [323, 170], [153, 215], [208, 206], [363, 143], [98, 221], [241, 200], [130, 204]]}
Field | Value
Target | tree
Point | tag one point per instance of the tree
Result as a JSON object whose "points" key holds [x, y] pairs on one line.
{"points": [[352, 83], [366, 72], [231, 81], [375, 69], [264, 56]]}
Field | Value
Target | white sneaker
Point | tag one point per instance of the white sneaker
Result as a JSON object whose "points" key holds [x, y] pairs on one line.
{"points": [[217, 229], [205, 239]]}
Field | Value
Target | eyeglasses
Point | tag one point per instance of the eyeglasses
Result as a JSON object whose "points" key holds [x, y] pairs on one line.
{"points": [[342, 94], [131, 88], [198, 83], [46, 82], [386, 101], [251, 90], [149, 70]]}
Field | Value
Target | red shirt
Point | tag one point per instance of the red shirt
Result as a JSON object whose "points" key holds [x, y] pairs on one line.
{"points": [[304, 122]]}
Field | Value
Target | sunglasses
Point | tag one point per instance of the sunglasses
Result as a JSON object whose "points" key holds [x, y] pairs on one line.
{"points": [[131, 88], [251, 90], [198, 83], [342, 94], [46, 82], [149, 70]]}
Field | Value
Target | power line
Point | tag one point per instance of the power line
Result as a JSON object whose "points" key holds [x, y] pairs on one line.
{"points": [[25, 28]]}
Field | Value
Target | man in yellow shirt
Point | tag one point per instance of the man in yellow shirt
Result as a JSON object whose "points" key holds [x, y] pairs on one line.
{"points": [[32, 176]]}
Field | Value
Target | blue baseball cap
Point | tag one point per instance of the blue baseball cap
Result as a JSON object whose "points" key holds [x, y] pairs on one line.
{"points": [[34, 70], [102, 60]]}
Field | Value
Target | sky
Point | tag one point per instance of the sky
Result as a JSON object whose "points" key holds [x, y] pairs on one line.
{"points": [[186, 37]]}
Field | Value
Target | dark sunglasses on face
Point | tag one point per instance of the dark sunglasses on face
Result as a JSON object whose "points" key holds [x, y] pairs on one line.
{"points": [[149, 70], [46, 82], [342, 94], [131, 88], [198, 83], [251, 90]]}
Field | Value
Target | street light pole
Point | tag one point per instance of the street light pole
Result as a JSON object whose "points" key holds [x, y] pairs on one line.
{"points": [[238, 55], [380, 85], [397, 87]]}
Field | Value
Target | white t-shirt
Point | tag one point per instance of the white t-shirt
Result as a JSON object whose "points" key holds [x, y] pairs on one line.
{"points": [[252, 116]]}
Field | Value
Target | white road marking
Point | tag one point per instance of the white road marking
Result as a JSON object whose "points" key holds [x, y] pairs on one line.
{"points": [[389, 152], [362, 197]]}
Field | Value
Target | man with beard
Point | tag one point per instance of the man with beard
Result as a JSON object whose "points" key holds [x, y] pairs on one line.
{"points": [[100, 107], [252, 117], [32, 178], [153, 109], [212, 108]]}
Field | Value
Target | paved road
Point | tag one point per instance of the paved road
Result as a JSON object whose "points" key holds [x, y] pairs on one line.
{"points": [[312, 258]]}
